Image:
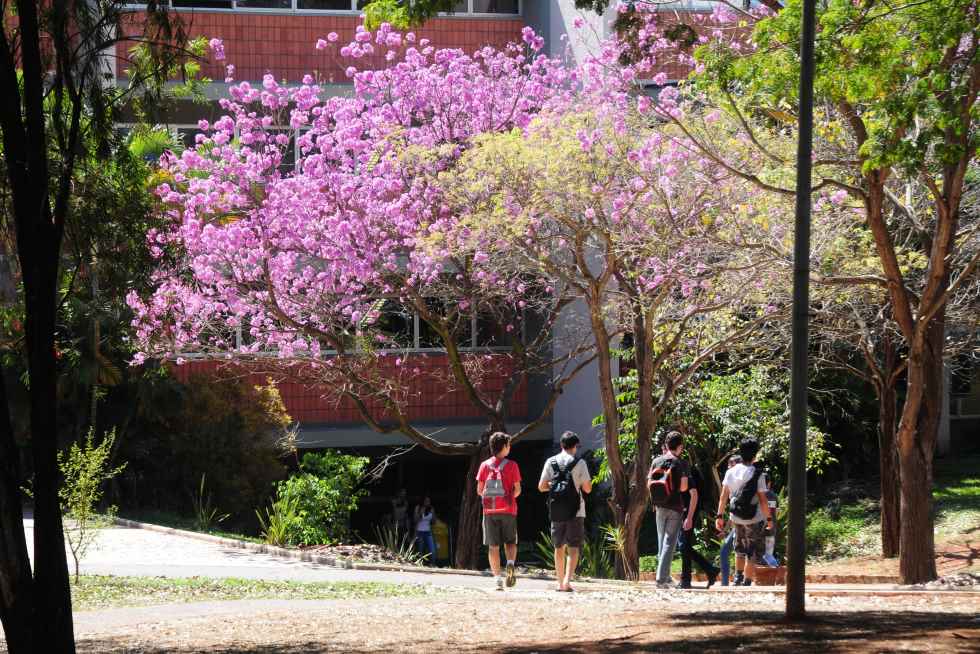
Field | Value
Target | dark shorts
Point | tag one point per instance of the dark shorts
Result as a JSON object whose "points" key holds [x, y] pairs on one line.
{"points": [[500, 529], [750, 540], [568, 532]]}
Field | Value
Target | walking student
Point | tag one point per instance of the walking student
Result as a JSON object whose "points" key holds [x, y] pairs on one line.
{"points": [[498, 483], [565, 477], [729, 536], [743, 493], [688, 554], [667, 480]]}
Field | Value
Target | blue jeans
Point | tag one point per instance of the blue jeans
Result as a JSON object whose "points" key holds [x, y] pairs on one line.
{"points": [[726, 555], [669, 524], [426, 544]]}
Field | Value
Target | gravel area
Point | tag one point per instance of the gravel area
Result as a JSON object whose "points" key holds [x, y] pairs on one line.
{"points": [[536, 621]]}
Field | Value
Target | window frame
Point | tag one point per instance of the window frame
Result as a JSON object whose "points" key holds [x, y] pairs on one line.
{"points": [[353, 11]]}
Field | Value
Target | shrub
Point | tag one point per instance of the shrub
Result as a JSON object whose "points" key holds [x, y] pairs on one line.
{"points": [[85, 468], [325, 493], [224, 430]]}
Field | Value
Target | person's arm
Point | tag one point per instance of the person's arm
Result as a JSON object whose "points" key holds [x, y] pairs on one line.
{"points": [[689, 520], [761, 492], [480, 485], [517, 489], [683, 484], [722, 504], [544, 484]]}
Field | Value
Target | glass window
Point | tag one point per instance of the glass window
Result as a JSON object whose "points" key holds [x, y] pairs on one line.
{"points": [[491, 333], [264, 4], [496, 6], [397, 324], [203, 4], [324, 5], [462, 327]]}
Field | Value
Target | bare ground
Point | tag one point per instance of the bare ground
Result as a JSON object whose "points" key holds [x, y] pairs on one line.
{"points": [[608, 622]]}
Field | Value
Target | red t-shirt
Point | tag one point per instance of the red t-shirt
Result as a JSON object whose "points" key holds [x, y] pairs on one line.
{"points": [[510, 473]]}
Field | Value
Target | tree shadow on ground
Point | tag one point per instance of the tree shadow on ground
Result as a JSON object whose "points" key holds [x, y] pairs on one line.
{"points": [[729, 631], [722, 632]]}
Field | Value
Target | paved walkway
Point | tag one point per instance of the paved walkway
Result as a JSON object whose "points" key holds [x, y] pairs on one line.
{"points": [[125, 551]]}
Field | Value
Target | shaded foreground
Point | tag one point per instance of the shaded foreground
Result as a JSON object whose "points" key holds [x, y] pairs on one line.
{"points": [[525, 622]]}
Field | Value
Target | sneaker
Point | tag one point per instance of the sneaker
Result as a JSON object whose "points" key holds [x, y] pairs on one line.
{"points": [[685, 585], [500, 583], [511, 575], [712, 578], [739, 578], [666, 585]]}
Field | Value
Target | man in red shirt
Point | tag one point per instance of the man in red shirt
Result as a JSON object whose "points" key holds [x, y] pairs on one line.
{"points": [[498, 483]]}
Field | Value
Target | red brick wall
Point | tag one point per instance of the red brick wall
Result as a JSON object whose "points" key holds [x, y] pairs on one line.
{"points": [[283, 44], [429, 399]]}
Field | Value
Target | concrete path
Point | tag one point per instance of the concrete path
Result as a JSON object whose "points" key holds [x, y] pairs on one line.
{"points": [[125, 551]]}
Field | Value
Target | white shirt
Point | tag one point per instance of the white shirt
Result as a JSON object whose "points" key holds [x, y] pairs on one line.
{"points": [[580, 475], [737, 477]]}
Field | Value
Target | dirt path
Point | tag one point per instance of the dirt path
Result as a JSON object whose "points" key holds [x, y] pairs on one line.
{"points": [[599, 622]]}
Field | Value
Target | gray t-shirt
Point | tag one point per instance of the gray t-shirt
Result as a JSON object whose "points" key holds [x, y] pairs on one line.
{"points": [[580, 475], [737, 477]]}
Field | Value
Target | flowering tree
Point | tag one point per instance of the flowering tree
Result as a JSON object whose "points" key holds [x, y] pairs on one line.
{"points": [[896, 105], [652, 240], [312, 264]]}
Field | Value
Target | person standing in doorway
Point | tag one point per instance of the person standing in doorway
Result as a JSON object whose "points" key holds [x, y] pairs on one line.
{"points": [[667, 481], [498, 483], [565, 477], [424, 516]]}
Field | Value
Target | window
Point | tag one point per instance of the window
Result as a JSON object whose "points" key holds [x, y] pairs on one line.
{"points": [[202, 4], [398, 325], [325, 5], [496, 7], [463, 7], [263, 4]]}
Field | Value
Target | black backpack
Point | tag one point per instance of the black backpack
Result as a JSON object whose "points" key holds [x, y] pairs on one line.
{"points": [[744, 503], [563, 498]]}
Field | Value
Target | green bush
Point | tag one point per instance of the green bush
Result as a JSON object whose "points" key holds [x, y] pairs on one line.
{"points": [[595, 558], [224, 430], [324, 493]]}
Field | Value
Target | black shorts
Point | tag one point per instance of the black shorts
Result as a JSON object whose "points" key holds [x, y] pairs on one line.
{"points": [[499, 529], [568, 532]]}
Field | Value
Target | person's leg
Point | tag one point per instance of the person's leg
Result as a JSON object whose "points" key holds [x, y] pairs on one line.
{"points": [[560, 566], [511, 549], [661, 515], [494, 556], [726, 555], [430, 543], [672, 525], [570, 567], [687, 550], [756, 534]]}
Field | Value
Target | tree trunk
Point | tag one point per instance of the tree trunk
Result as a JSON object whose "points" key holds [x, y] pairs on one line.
{"points": [[917, 435], [52, 617], [889, 469], [469, 529], [16, 584]]}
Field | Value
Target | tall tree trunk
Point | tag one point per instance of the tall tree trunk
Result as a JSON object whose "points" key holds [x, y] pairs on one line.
{"points": [[917, 434], [52, 618], [889, 469], [16, 584], [469, 529]]}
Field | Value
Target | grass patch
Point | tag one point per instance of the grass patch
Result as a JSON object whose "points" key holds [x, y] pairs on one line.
{"points": [[841, 530], [957, 495], [99, 592]]}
